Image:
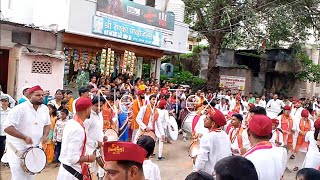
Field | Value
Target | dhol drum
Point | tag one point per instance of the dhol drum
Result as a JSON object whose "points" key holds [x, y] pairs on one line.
{"points": [[187, 122], [149, 133], [34, 160], [173, 128], [111, 134], [194, 150]]}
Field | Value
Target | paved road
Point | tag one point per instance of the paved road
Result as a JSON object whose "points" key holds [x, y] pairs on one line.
{"points": [[176, 166]]}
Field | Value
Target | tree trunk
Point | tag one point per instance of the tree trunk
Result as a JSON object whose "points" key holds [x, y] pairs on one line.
{"points": [[213, 76]]}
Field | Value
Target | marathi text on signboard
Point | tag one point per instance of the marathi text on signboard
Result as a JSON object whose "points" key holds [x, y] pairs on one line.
{"points": [[122, 30], [136, 12], [232, 82]]}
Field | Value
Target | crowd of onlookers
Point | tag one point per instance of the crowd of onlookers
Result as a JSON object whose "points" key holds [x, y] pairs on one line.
{"points": [[61, 105]]}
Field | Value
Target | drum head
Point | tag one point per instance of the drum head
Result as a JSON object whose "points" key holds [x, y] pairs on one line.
{"points": [[194, 149], [111, 134], [173, 128], [151, 134], [35, 160], [187, 123]]}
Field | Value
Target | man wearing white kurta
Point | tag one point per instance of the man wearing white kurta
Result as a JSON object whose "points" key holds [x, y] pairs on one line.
{"points": [[94, 131], [73, 142], [213, 146], [277, 136], [274, 107], [27, 125], [238, 146], [163, 118], [270, 161], [153, 124]]}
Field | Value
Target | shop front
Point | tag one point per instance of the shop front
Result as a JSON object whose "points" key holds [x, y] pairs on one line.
{"points": [[99, 40]]}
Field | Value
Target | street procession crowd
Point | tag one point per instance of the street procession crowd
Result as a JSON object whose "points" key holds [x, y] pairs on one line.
{"points": [[110, 131]]}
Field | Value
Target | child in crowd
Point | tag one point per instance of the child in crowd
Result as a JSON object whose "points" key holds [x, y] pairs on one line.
{"points": [[58, 132]]}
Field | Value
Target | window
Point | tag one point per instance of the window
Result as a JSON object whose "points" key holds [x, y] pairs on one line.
{"points": [[41, 67], [151, 3]]}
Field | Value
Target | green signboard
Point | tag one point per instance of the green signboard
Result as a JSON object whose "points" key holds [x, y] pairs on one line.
{"points": [[136, 12]]}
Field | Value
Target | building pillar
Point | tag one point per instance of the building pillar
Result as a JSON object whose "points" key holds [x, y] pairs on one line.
{"points": [[138, 70], [158, 65]]}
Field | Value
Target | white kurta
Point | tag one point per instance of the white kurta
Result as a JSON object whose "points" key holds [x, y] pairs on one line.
{"points": [[213, 147], [199, 128], [151, 170], [163, 117], [3, 117], [157, 127], [274, 107], [71, 149], [275, 137], [245, 140], [94, 132], [29, 122], [269, 163], [312, 159]]}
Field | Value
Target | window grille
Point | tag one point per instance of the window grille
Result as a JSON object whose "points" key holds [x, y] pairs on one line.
{"points": [[41, 67]]}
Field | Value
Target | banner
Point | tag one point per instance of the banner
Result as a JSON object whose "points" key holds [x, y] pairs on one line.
{"points": [[136, 12], [122, 30], [232, 82]]}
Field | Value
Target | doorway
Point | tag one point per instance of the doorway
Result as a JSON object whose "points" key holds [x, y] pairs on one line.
{"points": [[4, 61]]}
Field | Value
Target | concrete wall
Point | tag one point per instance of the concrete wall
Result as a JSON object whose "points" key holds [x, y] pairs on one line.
{"points": [[39, 39], [241, 73], [80, 22], [50, 82]]}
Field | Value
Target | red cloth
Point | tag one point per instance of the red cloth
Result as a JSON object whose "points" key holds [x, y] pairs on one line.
{"points": [[287, 107], [305, 113], [194, 122], [251, 105], [83, 104], [35, 88], [261, 125], [123, 151], [275, 121], [140, 92], [317, 124], [162, 103], [217, 117]]}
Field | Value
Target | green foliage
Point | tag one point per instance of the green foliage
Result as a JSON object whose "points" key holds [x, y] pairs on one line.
{"points": [[186, 78], [309, 71]]}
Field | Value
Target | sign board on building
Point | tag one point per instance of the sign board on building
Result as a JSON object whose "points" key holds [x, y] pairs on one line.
{"points": [[136, 12], [126, 31], [232, 82]]}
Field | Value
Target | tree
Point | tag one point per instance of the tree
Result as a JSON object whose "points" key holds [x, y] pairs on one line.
{"points": [[254, 24]]}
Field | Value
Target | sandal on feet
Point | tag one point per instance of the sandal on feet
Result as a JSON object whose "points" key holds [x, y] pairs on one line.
{"points": [[292, 157]]}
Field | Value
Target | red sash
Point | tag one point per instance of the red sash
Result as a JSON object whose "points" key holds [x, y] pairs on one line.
{"points": [[84, 166], [260, 145], [195, 121], [239, 137]]}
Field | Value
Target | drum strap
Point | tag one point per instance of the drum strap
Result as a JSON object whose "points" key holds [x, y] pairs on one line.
{"points": [[18, 153], [73, 172]]}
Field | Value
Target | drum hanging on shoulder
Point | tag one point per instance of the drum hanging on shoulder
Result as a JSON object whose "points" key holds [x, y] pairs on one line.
{"points": [[34, 160], [111, 134], [149, 133], [173, 128], [194, 149], [187, 122]]}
